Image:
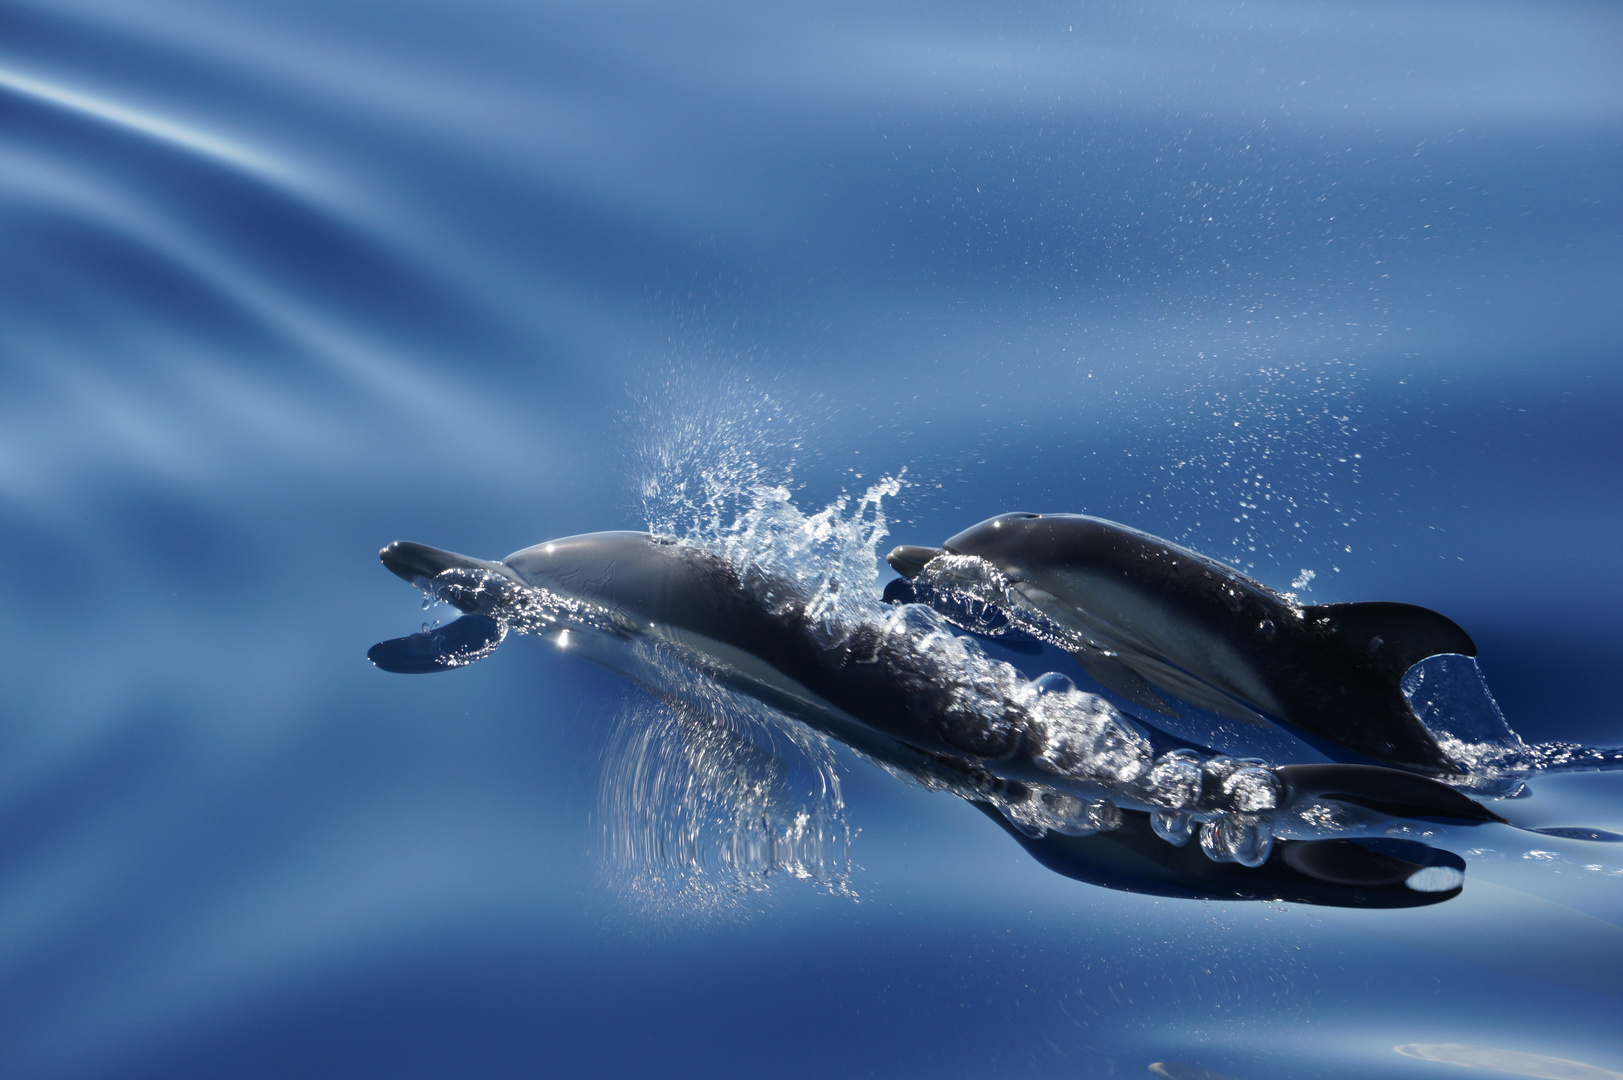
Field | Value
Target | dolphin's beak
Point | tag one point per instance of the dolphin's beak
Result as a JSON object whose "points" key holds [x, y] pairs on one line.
{"points": [[426, 568], [909, 561], [416, 562]]}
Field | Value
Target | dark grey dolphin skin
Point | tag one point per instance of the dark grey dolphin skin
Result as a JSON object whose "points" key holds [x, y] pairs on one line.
{"points": [[881, 699], [1156, 614]]}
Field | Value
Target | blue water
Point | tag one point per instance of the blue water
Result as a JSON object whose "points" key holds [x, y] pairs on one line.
{"points": [[1326, 288]]}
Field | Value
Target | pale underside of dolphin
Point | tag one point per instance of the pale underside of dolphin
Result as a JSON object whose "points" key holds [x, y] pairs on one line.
{"points": [[1143, 615], [899, 707]]}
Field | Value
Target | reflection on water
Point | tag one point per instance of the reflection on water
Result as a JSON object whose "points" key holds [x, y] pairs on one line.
{"points": [[1301, 289], [1177, 1070], [695, 812], [1513, 1062]]}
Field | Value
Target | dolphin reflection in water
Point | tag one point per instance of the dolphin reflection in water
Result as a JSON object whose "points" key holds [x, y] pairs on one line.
{"points": [[1090, 792]]}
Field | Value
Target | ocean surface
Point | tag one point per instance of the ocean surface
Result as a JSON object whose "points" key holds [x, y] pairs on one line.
{"points": [[1328, 291]]}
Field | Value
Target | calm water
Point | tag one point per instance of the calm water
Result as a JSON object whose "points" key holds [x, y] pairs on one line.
{"points": [[1326, 288]]}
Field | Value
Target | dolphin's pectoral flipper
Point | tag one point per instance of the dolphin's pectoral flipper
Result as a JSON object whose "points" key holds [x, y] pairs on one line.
{"points": [[470, 638], [1118, 678], [1393, 636]]}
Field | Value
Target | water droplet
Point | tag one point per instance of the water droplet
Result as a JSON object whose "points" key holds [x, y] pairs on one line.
{"points": [[1252, 788], [1173, 826], [1053, 683]]}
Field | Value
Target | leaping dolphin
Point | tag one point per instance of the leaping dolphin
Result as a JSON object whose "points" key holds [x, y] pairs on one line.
{"points": [[1062, 769], [1140, 612]]}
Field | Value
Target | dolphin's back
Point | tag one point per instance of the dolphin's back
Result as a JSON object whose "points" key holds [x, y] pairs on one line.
{"points": [[692, 596]]}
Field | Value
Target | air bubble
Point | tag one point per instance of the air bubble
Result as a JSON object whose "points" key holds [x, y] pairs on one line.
{"points": [[1064, 813], [1252, 788], [1173, 826], [1069, 814], [1022, 825], [1215, 776], [1104, 815], [1215, 847], [1174, 782], [1053, 683], [1237, 838]]}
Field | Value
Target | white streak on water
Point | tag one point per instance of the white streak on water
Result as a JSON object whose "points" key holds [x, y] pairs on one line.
{"points": [[1507, 1061], [150, 125]]}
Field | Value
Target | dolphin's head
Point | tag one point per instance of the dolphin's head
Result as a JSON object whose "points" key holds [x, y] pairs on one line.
{"points": [[994, 540], [455, 579], [592, 566], [1032, 545], [1013, 543], [646, 578]]}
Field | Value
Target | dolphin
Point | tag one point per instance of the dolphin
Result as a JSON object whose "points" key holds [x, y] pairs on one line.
{"points": [[1139, 613], [898, 696]]}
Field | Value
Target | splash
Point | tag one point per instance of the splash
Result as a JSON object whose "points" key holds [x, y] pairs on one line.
{"points": [[700, 458], [706, 797], [1450, 696], [825, 563], [822, 567], [709, 480]]}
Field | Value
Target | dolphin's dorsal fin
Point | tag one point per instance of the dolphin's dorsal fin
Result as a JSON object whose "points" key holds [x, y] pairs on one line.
{"points": [[1395, 636]]}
